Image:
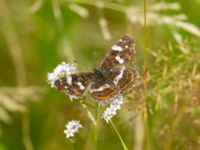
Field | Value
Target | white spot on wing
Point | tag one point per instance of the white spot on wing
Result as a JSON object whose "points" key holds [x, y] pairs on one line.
{"points": [[121, 61], [69, 80], [117, 48], [101, 88], [82, 87], [126, 46], [119, 76]]}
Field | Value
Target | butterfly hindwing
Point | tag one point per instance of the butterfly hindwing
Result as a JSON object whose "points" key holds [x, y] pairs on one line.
{"points": [[122, 52], [117, 80], [75, 84], [123, 78], [102, 88], [128, 79]]}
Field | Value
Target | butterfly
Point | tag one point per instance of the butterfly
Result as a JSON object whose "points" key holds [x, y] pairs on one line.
{"points": [[112, 77]]}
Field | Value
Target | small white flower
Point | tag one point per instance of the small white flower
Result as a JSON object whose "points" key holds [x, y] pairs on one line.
{"points": [[62, 70], [112, 109], [71, 128]]}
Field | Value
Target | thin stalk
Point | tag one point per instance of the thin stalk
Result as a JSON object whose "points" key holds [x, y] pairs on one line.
{"points": [[96, 126], [73, 143], [120, 138], [89, 105], [58, 15], [36, 6], [64, 44], [95, 121], [147, 145], [89, 113], [100, 4]]}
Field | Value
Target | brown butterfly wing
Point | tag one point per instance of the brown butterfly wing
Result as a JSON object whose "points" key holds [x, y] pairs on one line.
{"points": [[74, 85], [122, 52], [123, 78], [118, 80], [108, 82], [103, 89]]}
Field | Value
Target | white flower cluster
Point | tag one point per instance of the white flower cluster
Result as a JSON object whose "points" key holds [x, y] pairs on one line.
{"points": [[60, 71], [112, 109], [71, 128]]}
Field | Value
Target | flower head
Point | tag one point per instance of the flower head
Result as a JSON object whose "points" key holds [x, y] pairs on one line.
{"points": [[71, 128], [112, 109], [62, 70]]}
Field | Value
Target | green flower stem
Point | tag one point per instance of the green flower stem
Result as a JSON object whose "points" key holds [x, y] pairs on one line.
{"points": [[89, 113], [88, 105], [72, 140], [73, 143], [94, 120], [123, 144], [97, 125]]}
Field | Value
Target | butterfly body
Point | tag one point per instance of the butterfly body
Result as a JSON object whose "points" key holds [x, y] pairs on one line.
{"points": [[112, 78]]}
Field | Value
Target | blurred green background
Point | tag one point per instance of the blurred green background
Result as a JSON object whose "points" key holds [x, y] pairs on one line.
{"points": [[37, 35]]}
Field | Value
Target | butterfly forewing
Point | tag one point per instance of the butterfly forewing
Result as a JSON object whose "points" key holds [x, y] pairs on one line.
{"points": [[121, 52], [75, 84]]}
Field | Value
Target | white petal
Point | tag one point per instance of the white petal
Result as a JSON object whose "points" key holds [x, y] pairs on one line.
{"points": [[111, 111], [71, 128], [62, 70]]}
